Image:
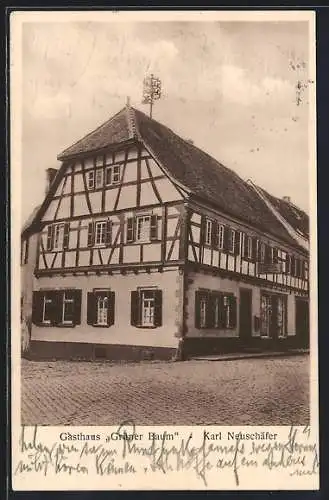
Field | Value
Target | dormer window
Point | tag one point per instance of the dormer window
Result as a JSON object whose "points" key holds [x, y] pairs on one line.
{"points": [[113, 175]]}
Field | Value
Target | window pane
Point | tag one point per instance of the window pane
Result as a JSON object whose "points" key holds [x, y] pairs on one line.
{"points": [[91, 179], [148, 308], [99, 178], [100, 233], [143, 228], [58, 236]]}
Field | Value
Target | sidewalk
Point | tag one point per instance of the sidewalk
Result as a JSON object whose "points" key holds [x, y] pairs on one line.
{"points": [[250, 355]]}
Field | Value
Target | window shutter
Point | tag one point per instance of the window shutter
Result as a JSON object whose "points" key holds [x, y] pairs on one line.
{"points": [[157, 307], [130, 229], [221, 311], [111, 308], [275, 255], [37, 307], [233, 321], [77, 294], [254, 249], [292, 266], [50, 237], [91, 308], [268, 258], [135, 308], [108, 237], [154, 227], [66, 235], [245, 246], [26, 256], [91, 234], [226, 238], [202, 230], [197, 309], [215, 234], [56, 307], [209, 310], [288, 264], [237, 242], [259, 251]]}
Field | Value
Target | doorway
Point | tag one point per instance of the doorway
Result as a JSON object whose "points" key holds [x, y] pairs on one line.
{"points": [[302, 322], [245, 315]]}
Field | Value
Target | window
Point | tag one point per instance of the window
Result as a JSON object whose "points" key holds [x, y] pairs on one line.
{"points": [[91, 179], [58, 236], [68, 308], [100, 308], [215, 310], [247, 253], [100, 233], [47, 308], [262, 252], [113, 175], [56, 307], [142, 228], [231, 241], [146, 308], [220, 236], [208, 235], [99, 178]]}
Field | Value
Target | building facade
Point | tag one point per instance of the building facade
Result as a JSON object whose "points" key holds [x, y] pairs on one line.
{"points": [[146, 247]]}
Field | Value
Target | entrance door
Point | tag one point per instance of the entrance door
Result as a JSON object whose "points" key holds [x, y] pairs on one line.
{"points": [[302, 322], [245, 313]]}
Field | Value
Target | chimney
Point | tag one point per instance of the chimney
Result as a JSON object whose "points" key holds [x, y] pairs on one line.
{"points": [[190, 141], [287, 199], [50, 175]]}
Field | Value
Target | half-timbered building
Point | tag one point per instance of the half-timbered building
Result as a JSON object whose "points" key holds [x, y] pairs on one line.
{"points": [[147, 247]]}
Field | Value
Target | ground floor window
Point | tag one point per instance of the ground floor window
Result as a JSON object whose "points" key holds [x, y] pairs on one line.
{"points": [[215, 310], [100, 308], [146, 307], [56, 307], [273, 310]]}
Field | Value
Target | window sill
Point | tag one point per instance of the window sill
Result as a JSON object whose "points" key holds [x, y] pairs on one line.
{"points": [[146, 327], [100, 326]]}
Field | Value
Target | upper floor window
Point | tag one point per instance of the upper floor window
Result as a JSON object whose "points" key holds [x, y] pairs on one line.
{"points": [[91, 179], [100, 233], [113, 174], [99, 178], [146, 307], [209, 228], [58, 236], [56, 307], [231, 240], [100, 308], [220, 229], [142, 228]]}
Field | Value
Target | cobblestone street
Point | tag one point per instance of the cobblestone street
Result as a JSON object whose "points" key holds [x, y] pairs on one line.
{"points": [[268, 391]]}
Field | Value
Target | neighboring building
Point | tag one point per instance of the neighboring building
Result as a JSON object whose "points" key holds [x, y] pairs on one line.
{"points": [[148, 247]]}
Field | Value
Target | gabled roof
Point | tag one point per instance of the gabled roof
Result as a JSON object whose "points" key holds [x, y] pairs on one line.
{"points": [[202, 175], [27, 224]]}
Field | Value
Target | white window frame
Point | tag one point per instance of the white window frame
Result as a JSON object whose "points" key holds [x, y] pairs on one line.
{"points": [[203, 312], [105, 306], [91, 179], [102, 233], [46, 300], [115, 174], [147, 306], [143, 236], [66, 301], [232, 240], [99, 178], [249, 247], [220, 236], [208, 231], [58, 236]]}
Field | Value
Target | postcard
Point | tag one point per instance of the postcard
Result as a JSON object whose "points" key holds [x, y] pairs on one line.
{"points": [[164, 273]]}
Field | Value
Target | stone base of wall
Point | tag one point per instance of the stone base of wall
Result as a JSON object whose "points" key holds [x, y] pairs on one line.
{"points": [[201, 346], [41, 350]]}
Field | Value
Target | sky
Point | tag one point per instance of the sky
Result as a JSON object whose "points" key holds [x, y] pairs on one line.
{"points": [[231, 87]]}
